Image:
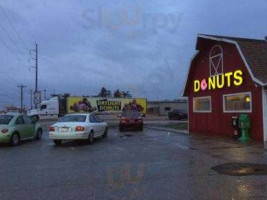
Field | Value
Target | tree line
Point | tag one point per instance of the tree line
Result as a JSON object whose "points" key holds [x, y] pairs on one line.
{"points": [[117, 93]]}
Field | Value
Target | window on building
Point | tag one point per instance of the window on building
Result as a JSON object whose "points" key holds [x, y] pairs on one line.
{"points": [[167, 108], [240, 102], [202, 104], [216, 60]]}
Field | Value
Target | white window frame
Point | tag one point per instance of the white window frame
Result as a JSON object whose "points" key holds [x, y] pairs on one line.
{"points": [[202, 111], [211, 57], [238, 111]]}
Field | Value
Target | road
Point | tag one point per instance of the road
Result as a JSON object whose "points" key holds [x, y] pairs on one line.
{"points": [[135, 165]]}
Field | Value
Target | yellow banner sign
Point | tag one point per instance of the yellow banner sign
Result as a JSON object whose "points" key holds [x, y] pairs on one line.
{"points": [[90, 104]]}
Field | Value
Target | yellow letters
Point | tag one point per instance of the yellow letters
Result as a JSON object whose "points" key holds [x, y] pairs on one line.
{"points": [[220, 84], [212, 82], [238, 77], [228, 76], [221, 80], [196, 85]]}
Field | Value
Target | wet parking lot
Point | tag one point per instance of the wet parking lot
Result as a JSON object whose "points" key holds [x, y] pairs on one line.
{"points": [[152, 164]]}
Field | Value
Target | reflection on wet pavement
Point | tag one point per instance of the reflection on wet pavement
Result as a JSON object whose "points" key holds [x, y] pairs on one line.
{"points": [[131, 165]]}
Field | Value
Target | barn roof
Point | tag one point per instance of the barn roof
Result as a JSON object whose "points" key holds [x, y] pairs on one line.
{"points": [[252, 51]]}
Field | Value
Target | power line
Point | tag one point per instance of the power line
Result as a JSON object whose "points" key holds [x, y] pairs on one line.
{"points": [[10, 50], [8, 76], [10, 22], [10, 38], [4, 91], [8, 96]]}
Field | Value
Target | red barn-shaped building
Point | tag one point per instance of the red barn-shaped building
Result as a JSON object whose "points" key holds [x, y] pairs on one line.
{"points": [[227, 77]]}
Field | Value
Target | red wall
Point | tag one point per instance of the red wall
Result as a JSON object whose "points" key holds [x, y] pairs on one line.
{"points": [[217, 122]]}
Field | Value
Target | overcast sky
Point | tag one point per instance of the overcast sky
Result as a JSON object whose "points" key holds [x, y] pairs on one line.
{"points": [[141, 46]]}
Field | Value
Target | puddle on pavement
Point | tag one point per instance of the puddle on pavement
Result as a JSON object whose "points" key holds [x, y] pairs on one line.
{"points": [[126, 135], [241, 169]]}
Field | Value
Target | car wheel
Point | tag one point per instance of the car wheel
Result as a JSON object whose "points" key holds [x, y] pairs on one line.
{"points": [[105, 133], [15, 139], [39, 134], [141, 128], [58, 142], [91, 137]]}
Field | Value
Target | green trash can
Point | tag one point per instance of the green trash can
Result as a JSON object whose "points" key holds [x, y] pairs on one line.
{"points": [[244, 125]]}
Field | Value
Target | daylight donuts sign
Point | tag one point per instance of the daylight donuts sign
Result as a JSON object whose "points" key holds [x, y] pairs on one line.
{"points": [[219, 81]]}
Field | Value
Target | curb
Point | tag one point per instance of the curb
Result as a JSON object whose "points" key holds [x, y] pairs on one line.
{"points": [[180, 131], [186, 132]]}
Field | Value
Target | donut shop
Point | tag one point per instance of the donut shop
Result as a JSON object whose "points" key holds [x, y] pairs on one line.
{"points": [[226, 87]]}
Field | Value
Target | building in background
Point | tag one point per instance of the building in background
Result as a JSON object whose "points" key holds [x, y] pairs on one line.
{"points": [[162, 108], [227, 77]]}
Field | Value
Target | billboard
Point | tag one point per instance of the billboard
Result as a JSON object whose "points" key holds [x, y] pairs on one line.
{"points": [[37, 97], [105, 105]]}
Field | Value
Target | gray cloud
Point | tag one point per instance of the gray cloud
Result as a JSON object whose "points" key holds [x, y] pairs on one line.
{"points": [[141, 46]]}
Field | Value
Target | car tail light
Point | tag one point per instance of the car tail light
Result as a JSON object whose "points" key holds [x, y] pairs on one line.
{"points": [[52, 128], [124, 119], [5, 130], [79, 128]]}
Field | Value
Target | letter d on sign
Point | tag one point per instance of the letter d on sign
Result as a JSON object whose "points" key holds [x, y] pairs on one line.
{"points": [[196, 85]]}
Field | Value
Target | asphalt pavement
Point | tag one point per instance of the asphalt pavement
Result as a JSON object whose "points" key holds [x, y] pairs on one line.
{"points": [[152, 164]]}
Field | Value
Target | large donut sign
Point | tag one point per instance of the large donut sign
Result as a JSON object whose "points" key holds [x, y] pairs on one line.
{"points": [[219, 81]]}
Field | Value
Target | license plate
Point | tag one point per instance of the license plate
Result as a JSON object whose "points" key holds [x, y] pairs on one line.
{"points": [[132, 121], [64, 129]]}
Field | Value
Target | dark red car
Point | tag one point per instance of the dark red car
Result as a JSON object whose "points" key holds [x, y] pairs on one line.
{"points": [[131, 119]]}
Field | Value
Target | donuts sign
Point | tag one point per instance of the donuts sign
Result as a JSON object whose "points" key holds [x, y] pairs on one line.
{"points": [[219, 81]]}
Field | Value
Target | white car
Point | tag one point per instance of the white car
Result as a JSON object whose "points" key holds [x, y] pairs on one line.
{"points": [[82, 126]]}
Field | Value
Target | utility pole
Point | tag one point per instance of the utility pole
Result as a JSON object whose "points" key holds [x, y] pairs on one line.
{"points": [[36, 68], [44, 94], [21, 96], [31, 93]]}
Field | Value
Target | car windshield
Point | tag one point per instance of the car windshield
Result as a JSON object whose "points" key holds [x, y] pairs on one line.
{"points": [[5, 119], [73, 118], [131, 114]]}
